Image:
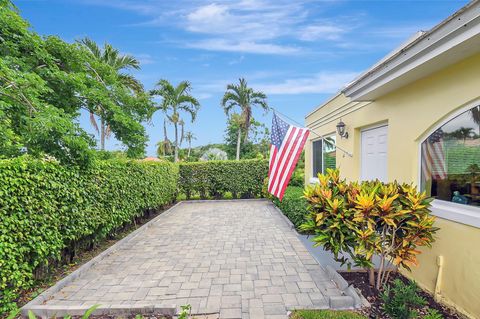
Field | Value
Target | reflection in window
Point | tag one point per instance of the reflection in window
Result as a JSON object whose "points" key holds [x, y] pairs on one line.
{"points": [[324, 155], [451, 160]]}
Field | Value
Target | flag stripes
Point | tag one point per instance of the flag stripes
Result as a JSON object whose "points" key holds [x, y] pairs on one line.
{"points": [[433, 158], [287, 145]]}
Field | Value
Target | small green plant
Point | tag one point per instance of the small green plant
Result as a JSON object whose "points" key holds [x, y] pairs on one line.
{"points": [[13, 314], [89, 311], [433, 314], [185, 312], [401, 301]]}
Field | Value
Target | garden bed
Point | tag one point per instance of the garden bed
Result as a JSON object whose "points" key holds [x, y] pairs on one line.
{"points": [[359, 279]]}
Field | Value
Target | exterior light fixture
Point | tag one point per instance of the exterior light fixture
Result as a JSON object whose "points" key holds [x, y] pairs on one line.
{"points": [[341, 129]]}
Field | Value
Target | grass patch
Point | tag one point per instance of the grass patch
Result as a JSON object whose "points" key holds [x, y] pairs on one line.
{"points": [[325, 314]]}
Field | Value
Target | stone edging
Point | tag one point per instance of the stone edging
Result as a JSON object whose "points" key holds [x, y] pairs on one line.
{"points": [[38, 307], [351, 299], [121, 310]]}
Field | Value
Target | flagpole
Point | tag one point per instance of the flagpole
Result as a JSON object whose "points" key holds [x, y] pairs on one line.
{"points": [[320, 136]]}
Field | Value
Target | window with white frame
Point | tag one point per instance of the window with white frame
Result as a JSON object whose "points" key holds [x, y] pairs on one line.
{"points": [[324, 155], [450, 164]]}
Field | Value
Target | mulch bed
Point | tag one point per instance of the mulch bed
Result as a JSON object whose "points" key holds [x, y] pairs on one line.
{"points": [[359, 279]]}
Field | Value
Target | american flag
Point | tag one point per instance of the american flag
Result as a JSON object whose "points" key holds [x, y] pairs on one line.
{"points": [[433, 157], [287, 143]]}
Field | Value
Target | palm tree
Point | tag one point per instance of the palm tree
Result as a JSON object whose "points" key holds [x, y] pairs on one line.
{"points": [[475, 113], [174, 100], [463, 133], [119, 62], [189, 137], [243, 97], [164, 148]]}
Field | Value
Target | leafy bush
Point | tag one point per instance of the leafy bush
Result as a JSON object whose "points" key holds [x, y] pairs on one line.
{"points": [[48, 210], [215, 178], [298, 178], [361, 220], [401, 301], [293, 205]]}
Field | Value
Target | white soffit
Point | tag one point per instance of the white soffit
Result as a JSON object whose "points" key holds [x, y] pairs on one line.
{"points": [[453, 40]]}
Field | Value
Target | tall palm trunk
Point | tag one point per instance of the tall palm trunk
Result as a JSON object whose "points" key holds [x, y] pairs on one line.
{"points": [[102, 133], [239, 140], [164, 137], [176, 142], [189, 148]]}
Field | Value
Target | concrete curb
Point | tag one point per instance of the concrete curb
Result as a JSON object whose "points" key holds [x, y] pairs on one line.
{"points": [[37, 304], [190, 201], [351, 298], [357, 298], [123, 310]]}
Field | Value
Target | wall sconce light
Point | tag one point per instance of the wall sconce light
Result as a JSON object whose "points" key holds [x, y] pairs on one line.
{"points": [[341, 129]]}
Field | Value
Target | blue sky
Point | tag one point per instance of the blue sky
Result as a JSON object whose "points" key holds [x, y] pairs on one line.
{"points": [[298, 52]]}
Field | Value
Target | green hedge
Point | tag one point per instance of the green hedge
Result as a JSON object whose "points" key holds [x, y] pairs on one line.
{"points": [[214, 179], [47, 209], [293, 205]]}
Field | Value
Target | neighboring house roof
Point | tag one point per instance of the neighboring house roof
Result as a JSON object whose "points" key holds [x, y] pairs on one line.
{"points": [[454, 39], [154, 159]]}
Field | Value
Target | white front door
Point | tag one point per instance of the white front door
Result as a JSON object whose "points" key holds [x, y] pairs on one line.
{"points": [[374, 154]]}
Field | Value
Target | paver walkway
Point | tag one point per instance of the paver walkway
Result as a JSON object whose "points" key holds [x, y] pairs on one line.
{"points": [[237, 259]]}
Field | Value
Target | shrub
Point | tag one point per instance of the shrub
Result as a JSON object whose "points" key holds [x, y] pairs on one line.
{"points": [[360, 220], [215, 178], [48, 210], [293, 205], [401, 301]]}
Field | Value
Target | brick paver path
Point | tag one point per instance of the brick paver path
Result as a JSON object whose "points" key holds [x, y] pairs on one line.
{"points": [[237, 259]]}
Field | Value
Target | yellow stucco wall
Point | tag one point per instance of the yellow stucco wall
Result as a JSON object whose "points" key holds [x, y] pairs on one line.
{"points": [[411, 113]]}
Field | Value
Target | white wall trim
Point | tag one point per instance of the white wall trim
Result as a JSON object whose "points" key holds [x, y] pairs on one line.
{"points": [[374, 126], [463, 214]]}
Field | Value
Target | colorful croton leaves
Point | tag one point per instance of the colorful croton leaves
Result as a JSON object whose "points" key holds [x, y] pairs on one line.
{"points": [[360, 220]]}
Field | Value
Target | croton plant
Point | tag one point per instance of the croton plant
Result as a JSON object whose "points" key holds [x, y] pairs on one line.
{"points": [[360, 220]]}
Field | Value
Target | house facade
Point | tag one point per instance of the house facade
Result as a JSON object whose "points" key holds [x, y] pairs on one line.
{"points": [[414, 117]]}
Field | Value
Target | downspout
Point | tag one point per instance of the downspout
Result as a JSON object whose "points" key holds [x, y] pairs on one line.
{"points": [[438, 284]]}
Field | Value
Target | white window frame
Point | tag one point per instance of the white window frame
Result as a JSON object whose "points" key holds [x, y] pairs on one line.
{"points": [[463, 214], [313, 179]]}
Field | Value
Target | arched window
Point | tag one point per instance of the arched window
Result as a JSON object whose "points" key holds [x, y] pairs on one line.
{"points": [[451, 160]]}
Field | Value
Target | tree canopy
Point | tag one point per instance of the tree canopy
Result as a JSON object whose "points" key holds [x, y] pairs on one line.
{"points": [[44, 84]]}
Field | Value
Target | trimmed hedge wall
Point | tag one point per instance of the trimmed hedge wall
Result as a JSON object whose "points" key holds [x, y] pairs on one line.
{"points": [[293, 205], [47, 210], [213, 179]]}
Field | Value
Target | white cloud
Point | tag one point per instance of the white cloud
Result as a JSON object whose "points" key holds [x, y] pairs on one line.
{"points": [[321, 32], [264, 26], [325, 82], [237, 61], [243, 46]]}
